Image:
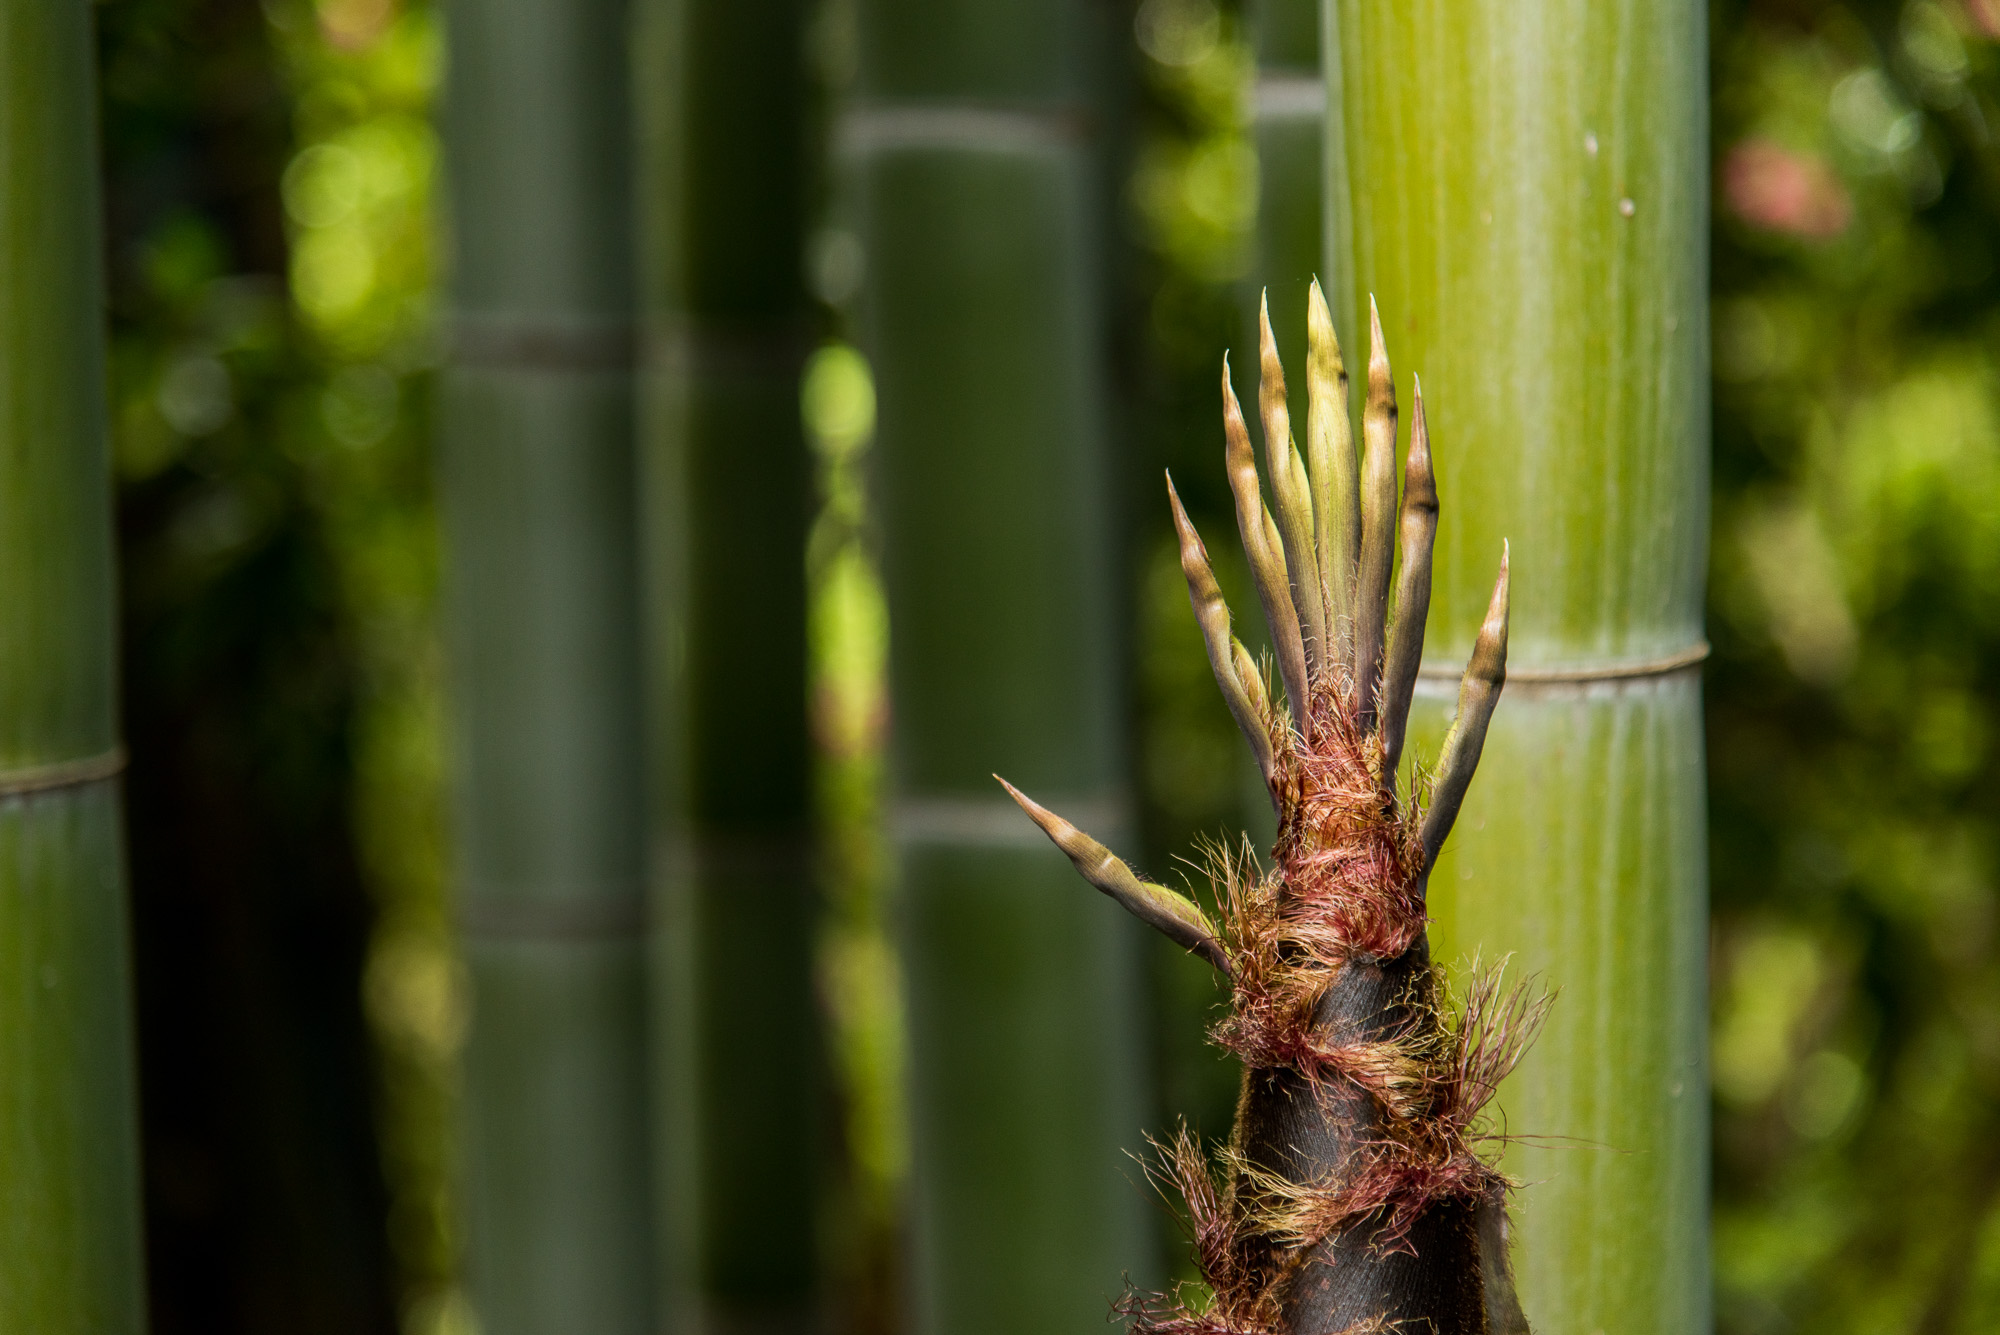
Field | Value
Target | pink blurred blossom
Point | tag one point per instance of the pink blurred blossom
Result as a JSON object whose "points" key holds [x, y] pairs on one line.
{"points": [[1780, 190]]}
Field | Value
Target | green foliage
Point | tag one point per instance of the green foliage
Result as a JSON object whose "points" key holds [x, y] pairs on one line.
{"points": [[857, 960], [270, 190], [1857, 634]]}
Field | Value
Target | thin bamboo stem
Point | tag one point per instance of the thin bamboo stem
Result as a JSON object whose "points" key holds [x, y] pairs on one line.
{"points": [[538, 483], [973, 176], [70, 1261]]}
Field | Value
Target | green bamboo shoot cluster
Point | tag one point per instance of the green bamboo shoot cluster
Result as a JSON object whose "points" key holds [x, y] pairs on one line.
{"points": [[70, 1259], [1357, 1192]]}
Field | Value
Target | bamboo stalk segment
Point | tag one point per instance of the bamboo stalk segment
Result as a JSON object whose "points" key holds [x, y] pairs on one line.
{"points": [[973, 178], [537, 486], [70, 1258], [723, 168], [1524, 188]]}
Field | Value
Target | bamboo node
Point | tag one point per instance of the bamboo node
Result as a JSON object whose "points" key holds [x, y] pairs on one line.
{"points": [[62, 773], [1681, 660]]}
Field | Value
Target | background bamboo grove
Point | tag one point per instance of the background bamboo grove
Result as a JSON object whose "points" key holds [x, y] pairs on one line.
{"points": [[322, 960]]}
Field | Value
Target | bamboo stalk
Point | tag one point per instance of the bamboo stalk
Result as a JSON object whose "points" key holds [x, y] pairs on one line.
{"points": [[724, 177], [1522, 185], [537, 483], [972, 171], [70, 1260]]}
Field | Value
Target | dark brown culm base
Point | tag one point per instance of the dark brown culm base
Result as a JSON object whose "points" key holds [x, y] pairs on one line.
{"points": [[1352, 1197], [1288, 1129]]}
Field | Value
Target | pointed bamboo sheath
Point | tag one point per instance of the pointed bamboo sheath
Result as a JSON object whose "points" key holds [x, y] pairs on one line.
{"points": [[724, 178], [1522, 187], [538, 480], [971, 171], [70, 1259]]}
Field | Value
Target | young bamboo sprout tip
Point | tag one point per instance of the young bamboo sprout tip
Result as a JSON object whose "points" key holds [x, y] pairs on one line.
{"points": [[1173, 915], [1489, 652]]}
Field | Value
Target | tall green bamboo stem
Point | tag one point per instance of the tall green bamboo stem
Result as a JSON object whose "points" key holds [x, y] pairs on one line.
{"points": [[725, 174], [70, 1260], [538, 482], [974, 180], [1522, 187]]}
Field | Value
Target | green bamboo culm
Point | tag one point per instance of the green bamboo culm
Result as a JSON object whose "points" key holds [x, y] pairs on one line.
{"points": [[724, 175], [70, 1260], [69, 1142], [1522, 188], [970, 169], [541, 589]]}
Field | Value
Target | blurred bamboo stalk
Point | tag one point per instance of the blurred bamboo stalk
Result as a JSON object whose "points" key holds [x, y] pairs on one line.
{"points": [[724, 176], [538, 496], [70, 1257], [971, 165], [1522, 186]]}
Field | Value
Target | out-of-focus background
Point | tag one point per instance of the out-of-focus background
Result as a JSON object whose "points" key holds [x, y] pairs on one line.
{"points": [[274, 207]]}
